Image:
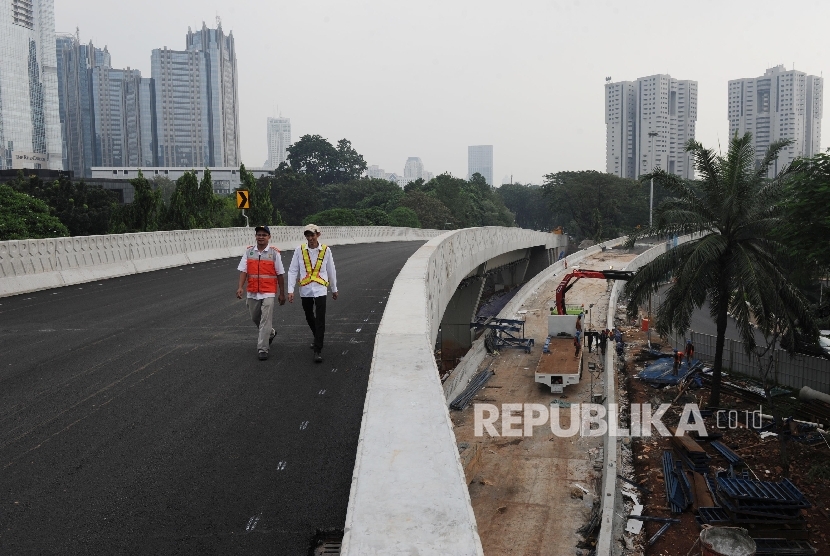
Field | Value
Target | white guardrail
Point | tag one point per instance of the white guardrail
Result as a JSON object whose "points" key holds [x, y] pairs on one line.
{"points": [[611, 461], [409, 494], [37, 264]]}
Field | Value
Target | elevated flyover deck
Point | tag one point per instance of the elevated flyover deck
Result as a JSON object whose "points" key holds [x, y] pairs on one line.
{"points": [[135, 416]]}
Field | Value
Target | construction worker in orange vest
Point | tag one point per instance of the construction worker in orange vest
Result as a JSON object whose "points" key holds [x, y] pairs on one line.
{"points": [[262, 268], [313, 264]]}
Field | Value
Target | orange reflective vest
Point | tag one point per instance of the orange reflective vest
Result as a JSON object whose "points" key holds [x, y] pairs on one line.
{"points": [[313, 274], [262, 270]]}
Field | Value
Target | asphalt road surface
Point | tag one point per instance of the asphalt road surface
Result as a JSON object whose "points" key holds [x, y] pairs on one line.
{"points": [[135, 417]]}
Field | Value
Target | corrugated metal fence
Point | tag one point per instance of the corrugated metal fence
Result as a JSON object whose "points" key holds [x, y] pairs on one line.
{"points": [[793, 372]]}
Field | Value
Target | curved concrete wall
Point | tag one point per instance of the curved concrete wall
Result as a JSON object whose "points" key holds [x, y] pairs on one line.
{"points": [[36, 264], [409, 494]]}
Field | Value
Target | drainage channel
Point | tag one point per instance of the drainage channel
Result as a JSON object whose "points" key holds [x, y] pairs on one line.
{"points": [[326, 543]]}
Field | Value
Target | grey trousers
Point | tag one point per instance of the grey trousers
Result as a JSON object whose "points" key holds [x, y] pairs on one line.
{"points": [[262, 313]]}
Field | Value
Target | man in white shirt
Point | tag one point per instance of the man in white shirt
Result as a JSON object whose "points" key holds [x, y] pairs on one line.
{"points": [[313, 264], [262, 268]]}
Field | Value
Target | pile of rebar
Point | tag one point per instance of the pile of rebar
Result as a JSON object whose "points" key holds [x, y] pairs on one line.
{"points": [[476, 384]]}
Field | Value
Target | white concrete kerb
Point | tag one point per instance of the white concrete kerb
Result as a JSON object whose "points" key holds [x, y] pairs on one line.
{"points": [[611, 460]]}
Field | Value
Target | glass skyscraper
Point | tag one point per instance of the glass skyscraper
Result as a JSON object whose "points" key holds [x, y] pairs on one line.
{"points": [[30, 133], [75, 62], [196, 99], [123, 102], [480, 161]]}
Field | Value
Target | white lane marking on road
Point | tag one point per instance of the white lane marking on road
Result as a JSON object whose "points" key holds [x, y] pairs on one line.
{"points": [[321, 392], [281, 466], [366, 319], [372, 311], [358, 330], [303, 425], [345, 352], [334, 370], [252, 522]]}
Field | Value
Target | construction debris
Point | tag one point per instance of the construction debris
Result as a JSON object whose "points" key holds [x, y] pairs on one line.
{"points": [[765, 508]]}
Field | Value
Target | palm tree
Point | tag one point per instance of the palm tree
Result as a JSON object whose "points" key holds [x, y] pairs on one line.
{"points": [[734, 260]]}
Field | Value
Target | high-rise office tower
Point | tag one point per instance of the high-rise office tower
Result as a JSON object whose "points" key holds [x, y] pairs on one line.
{"points": [[197, 107], [75, 62], [648, 123], [778, 105], [480, 160], [30, 133], [123, 108], [279, 139], [413, 169]]}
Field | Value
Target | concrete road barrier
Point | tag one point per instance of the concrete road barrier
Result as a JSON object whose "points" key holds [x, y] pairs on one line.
{"points": [[38, 264], [409, 494]]}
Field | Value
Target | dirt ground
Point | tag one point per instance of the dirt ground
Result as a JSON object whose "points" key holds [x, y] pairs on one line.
{"points": [[530, 495], [809, 465]]}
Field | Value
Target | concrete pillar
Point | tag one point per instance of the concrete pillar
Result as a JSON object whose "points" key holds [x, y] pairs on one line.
{"points": [[456, 335]]}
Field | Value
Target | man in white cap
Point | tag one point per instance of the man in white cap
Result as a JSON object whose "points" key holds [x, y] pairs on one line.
{"points": [[262, 268], [313, 264]]}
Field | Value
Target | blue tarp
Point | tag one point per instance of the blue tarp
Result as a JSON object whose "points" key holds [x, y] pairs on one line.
{"points": [[659, 371]]}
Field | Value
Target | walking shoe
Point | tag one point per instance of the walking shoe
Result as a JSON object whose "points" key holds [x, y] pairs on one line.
{"points": [[312, 345], [272, 336], [318, 357], [263, 355]]}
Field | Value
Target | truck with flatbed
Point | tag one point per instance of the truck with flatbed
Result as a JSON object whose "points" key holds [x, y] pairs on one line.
{"points": [[558, 367]]}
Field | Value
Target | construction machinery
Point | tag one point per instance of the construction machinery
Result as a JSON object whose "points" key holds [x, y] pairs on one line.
{"points": [[572, 277]]}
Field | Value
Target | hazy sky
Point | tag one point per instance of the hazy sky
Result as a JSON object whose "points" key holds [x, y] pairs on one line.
{"points": [[427, 78]]}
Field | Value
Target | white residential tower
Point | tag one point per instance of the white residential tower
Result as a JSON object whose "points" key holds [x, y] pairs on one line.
{"points": [[780, 104], [279, 139], [648, 123]]}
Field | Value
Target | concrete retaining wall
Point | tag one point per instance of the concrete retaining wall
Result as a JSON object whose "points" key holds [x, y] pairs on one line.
{"points": [[409, 494], [37, 264]]}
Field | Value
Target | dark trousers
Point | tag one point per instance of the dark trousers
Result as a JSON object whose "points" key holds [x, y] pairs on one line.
{"points": [[315, 316]]}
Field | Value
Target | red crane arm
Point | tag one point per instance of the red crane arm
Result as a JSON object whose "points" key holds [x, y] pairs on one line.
{"points": [[575, 275]]}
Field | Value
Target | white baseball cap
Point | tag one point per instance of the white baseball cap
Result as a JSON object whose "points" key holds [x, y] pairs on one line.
{"points": [[313, 228]]}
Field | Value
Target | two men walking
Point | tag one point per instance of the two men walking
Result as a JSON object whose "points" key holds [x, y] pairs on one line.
{"points": [[262, 268]]}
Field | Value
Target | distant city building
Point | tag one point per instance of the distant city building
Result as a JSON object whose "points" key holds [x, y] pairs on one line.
{"points": [[30, 131], [413, 169], [124, 106], [225, 180], [780, 104], [279, 139], [427, 176], [648, 123], [395, 178], [375, 172], [197, 107], [480, 160], [107, 115], [75, 62]]}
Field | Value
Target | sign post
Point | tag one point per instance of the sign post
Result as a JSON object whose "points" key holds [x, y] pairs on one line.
{"points": [[243, 201]]}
